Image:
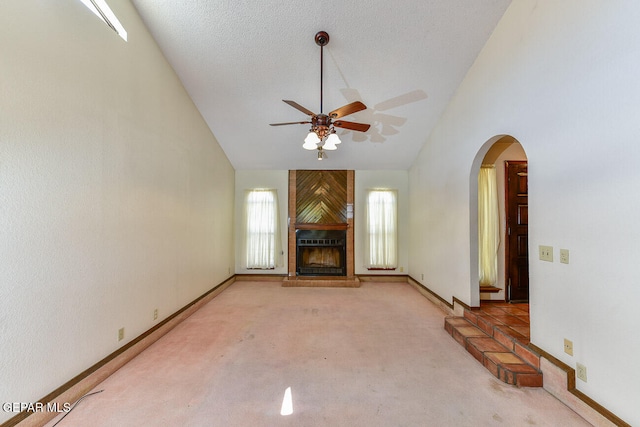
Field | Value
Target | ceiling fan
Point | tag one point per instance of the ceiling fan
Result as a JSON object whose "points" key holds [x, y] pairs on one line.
{"points": [[322, 135]]}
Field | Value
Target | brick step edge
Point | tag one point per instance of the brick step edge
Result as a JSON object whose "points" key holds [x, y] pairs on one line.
{"points": [[496, 332], [502, 362]]}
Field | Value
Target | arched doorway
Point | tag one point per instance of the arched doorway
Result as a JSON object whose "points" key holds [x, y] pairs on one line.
{"points": [[503, 153]]}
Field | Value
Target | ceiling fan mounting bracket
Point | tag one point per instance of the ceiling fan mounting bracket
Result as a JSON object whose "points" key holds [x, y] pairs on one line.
{"points": [[322, 38]]}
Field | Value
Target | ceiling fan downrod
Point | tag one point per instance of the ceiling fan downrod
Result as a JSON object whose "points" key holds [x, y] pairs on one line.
{"points": [[322, 39]]}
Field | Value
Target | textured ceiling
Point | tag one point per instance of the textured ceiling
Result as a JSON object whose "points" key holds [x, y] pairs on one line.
{"points": [[239, 59]]}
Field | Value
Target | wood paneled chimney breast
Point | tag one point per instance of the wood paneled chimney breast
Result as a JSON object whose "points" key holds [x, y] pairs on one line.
{"points": [[321, 197]]}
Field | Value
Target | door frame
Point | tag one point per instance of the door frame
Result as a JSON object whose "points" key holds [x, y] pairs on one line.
{"points": [[474, 275]]}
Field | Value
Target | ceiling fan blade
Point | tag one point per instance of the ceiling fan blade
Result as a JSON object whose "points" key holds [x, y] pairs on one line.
{"points": [[360, 127], [299, 107], [345, 110], [288, 123]]}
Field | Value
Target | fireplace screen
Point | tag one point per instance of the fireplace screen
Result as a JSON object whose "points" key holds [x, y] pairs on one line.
{"points": [[321, 252]]}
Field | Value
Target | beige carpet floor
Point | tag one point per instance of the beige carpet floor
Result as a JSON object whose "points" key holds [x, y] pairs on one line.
{"points": [[377, 355]]}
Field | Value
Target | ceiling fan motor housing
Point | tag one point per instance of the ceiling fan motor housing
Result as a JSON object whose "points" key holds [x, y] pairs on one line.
{"points": [[320, 124]]}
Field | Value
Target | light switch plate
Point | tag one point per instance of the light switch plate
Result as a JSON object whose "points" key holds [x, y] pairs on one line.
{"points": [[546, 253]]}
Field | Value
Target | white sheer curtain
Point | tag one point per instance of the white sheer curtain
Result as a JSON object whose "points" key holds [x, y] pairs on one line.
{"points": [[488, 225], [382, 239], [262, 244]]}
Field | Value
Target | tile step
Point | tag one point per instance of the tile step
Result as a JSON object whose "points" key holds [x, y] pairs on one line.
{"points": [[508, 360]]}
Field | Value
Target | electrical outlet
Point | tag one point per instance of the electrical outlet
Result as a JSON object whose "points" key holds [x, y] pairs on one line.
{"points": [[568, 347], [401, 269], [120, 334], [581, 372], [155, 314], [422, 275], [546, 253], [564, 256]]}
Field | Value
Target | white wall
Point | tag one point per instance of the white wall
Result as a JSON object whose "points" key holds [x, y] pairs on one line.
{"points": [[562, 78], [115, 198], [394, 180], [249, 180]]}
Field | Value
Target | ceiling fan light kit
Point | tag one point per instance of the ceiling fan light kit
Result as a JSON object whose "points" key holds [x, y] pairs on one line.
{"points": [[322, 135]]}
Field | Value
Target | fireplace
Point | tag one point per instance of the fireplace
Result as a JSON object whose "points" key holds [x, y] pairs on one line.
{"points": [[321, 252], [320, 238]]}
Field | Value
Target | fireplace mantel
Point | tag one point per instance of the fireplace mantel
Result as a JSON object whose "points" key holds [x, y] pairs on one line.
{"points": [[315, 226]]}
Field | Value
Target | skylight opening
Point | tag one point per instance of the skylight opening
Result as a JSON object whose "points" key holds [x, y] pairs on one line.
{"points": [[104, 12]]}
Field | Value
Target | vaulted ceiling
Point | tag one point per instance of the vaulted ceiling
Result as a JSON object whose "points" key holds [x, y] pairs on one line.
{"points": [[239, 59]]}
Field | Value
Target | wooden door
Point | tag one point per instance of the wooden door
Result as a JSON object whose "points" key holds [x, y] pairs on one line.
{"points": [[517, 227]]}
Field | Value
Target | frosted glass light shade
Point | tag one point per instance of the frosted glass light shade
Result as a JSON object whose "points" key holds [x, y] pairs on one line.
{"points": [[329, 144], [333, 139], [311, 141]]}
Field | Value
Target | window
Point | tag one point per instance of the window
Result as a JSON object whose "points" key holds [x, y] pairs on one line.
{"points": [[382, 235], [262, 232], [104, 12]]}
